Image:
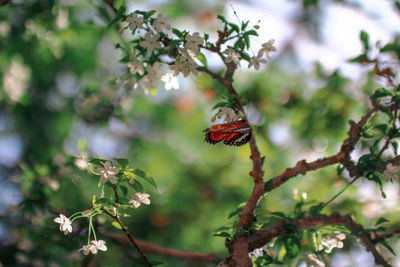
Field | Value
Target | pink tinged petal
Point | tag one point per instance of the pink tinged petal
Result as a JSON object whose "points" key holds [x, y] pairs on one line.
{"points": [[136, 204], [93, 249], [260, 53], [107, 165], [112, 179], [113, 170], [146, 201], [58, 220], [103, 179]]}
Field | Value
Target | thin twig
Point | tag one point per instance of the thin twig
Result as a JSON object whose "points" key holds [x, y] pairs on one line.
{"points": [[149, 247], [390, 136], [339, 193], [115, 217]]}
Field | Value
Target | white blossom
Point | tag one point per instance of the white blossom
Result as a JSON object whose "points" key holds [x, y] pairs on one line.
{"points": [[267, 48], [150, 42], [162, 22], [140, 198], [332, 242], [134, 21], [153, 75], [391, 172], [256, 61], [97, 245], [192, 43], [170, 81], [81, 164], [184, 64], [232, 56], [136, 67], [65, 224], [107, 173]]}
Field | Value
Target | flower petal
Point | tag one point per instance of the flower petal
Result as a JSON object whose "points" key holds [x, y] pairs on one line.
{"points": [[107, 165], [103, 179], [112, 179], [113, 170]]}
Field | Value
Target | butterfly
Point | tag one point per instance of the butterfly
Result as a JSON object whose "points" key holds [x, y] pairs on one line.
{"points": [[235, 133]]}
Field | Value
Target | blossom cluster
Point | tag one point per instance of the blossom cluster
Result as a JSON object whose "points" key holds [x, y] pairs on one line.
{"points": [[391, 171], [94, 247], [152, 45], [113, 175], [334, 241], [266, 49], [155, 42]]}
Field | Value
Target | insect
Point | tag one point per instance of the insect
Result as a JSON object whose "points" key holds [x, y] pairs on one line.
{"points": [[235, 133]]}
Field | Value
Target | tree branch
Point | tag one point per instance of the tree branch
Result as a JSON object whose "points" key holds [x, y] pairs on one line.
{"points": [[263, 236]]}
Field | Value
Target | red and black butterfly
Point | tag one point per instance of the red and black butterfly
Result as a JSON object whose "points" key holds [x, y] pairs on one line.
{"points": [[236, 133]]}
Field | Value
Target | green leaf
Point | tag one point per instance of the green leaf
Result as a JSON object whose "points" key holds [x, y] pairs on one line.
{"points": [[124, 189], [247, 41], [252, 32], [292, 245], [386, 244], [381, 92], [102, 201], [237, 211], [364, 37], [316, 209], [146, 14], [234, 27], [122, 162], [143, 175], [223, 234], [380, 220], [359, 59], [239, 44], [278, 214], [116, 225], [382, 128], [206, 36], [244, 25], [202, 59], [137, 186], [245, 56], [340, 169], [221, 18], [396, 135], [177, 32], [173, 44], [392, 47]]}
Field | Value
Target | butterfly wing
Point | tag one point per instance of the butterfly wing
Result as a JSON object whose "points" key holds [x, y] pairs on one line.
{"points": [[234, 134]]}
